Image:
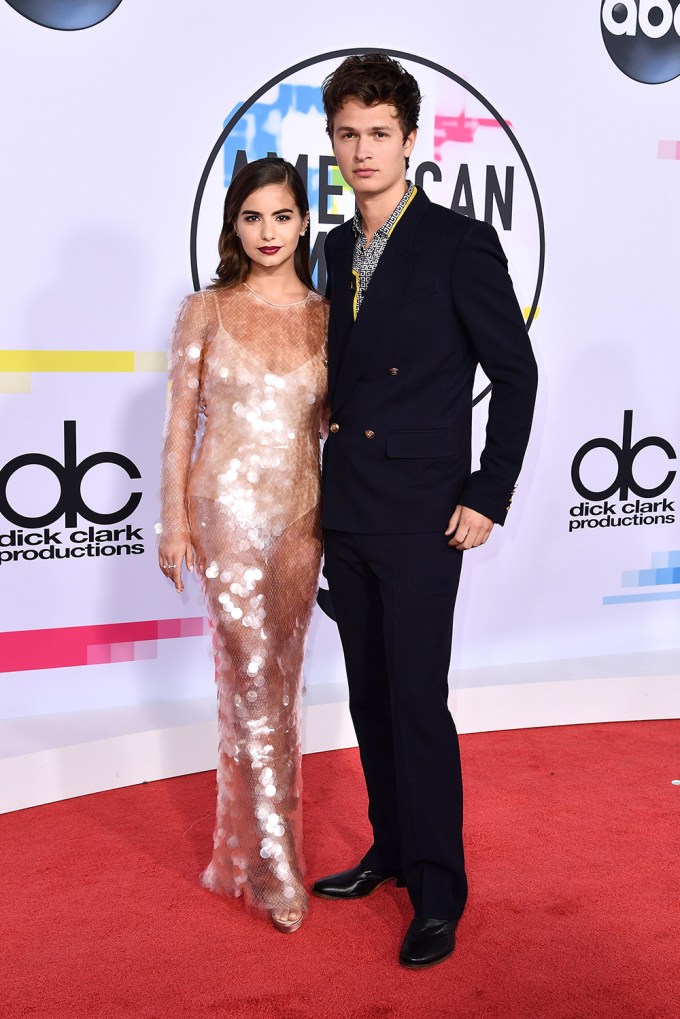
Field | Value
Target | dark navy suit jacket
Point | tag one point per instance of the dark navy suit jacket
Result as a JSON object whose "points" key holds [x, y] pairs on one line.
{"points": [[397, 458]]}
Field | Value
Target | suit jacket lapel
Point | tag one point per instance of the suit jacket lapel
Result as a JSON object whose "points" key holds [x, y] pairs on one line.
{"points": [[389, 280], [342, 295]]}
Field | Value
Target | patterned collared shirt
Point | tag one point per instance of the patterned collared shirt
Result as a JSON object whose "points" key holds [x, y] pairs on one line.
{"points": [[366, 258]]}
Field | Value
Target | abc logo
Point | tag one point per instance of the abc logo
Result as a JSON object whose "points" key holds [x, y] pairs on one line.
{"points": [[66, 15], [643, 38]]}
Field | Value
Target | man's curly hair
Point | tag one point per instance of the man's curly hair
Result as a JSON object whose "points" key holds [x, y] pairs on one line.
{"points": [[372, 78]]}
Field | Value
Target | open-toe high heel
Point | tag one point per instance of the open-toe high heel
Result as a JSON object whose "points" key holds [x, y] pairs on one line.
{"points": [[286, 926]]}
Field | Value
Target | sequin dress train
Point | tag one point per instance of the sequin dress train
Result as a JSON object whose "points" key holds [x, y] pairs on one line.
{"points": [[249, 378]]}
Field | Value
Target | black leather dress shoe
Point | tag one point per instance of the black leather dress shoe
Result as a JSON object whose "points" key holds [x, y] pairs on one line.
{"points": [[354, 883], [427, 942]]}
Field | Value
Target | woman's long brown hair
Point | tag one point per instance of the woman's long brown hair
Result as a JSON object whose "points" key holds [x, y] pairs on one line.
{"points": [[234, 264]]}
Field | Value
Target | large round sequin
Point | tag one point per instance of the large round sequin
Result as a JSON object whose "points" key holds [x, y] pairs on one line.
{"points": [[241, 475]]}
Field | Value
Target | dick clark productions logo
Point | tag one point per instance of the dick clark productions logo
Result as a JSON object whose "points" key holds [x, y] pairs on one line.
{"points": [[623, 501], [643, 38], [33, 537]]}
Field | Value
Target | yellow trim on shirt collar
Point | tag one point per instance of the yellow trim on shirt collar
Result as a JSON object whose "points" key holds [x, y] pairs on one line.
{"points": [[413, 195], [355, 299]]}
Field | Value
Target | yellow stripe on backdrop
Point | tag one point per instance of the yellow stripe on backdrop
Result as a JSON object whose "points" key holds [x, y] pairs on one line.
{"points": [[24, 362], [66, 361]]}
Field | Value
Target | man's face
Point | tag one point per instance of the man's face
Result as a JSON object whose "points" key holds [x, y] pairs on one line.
{"points": [[370, 147]]}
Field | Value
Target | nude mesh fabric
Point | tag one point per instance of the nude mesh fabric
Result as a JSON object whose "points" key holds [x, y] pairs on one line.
{"points": [[241, 476]]}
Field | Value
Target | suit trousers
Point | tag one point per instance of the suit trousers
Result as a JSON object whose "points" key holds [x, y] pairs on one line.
{"points": [[393, 597]]}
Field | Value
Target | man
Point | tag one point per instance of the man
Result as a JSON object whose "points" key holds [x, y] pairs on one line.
{"points": [[419, 296]]}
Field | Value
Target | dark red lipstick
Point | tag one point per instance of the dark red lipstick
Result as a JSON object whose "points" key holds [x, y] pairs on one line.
{"points": [[269, 251]]}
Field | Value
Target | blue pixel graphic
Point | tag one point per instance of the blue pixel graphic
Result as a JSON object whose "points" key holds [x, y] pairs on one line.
{"points": [[259, 131], [665, 570]]}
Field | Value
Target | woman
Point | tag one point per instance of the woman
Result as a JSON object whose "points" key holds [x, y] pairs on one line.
{"points": [[248, 358]]}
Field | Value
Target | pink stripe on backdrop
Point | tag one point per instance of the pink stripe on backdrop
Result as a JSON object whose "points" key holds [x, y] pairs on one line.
{"points": [[25, 650], [668, 150]]}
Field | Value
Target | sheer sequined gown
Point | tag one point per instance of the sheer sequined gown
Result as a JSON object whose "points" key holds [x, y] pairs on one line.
{"points": [[249, 378]]}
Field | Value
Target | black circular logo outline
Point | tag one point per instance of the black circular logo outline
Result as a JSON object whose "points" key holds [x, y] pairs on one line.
{"points": [[399, 54], [17, 6]]}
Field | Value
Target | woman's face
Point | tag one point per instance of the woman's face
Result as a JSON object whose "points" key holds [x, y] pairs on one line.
{"points": [[270, 225]]}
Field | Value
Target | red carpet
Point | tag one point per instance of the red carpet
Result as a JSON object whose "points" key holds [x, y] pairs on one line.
{"points": [[574, 860]]}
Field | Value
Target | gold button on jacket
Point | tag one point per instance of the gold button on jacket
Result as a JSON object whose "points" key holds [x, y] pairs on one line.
{"points": [[393, 371], [335, 427], [369, 433]]}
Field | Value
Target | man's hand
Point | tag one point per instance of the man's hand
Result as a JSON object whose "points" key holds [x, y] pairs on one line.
{"points": [[468, 528]]}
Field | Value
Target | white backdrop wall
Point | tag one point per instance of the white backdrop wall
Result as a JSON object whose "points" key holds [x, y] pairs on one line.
{"points": [[571, 612]]}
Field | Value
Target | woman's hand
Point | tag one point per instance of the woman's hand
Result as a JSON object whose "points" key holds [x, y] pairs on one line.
{"points": [[172, 550]]}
